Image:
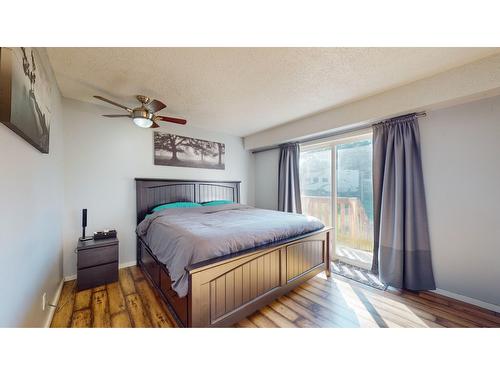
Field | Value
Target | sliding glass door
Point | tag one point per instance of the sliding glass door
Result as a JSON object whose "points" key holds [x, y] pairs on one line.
{"points": [[354, 202], [316, 183], [344, 201]]}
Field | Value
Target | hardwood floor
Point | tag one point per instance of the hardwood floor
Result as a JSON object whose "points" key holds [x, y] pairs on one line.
{"points": [[320, 302]]}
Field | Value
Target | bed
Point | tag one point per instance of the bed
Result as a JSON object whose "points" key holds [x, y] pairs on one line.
{"points": [[228, 286]]}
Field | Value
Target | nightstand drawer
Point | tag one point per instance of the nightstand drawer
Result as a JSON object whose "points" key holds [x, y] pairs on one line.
{"points": [[97, 256], [98, 275]]}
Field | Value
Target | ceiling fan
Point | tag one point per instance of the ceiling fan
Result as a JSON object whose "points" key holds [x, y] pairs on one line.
{"points": [[145, 115]]}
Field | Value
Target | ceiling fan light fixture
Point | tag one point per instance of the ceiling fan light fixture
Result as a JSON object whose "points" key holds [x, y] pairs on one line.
{"points": [[145, 115], [142, 122]]}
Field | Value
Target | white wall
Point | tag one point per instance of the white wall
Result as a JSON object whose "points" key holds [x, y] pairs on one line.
{"points": [[103, 156], [461, 165], [266, 179], [31, 203]]}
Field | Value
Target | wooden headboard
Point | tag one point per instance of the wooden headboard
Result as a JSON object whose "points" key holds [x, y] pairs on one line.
{"points": [[152, 192]]}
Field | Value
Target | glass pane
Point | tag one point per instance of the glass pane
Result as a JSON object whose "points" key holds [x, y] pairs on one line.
{"points": [[316, 183], [354, 238]]}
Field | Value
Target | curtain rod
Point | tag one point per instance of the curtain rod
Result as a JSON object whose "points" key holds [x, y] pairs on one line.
{"points": [[340, 132]]}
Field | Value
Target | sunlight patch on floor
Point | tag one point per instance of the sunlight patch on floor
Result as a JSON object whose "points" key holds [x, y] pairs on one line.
{"points": [[322, 275], [375, 300], [393, 306]]}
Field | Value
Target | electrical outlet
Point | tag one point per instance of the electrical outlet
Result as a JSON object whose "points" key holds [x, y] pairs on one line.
{"points": [[44, 301]]}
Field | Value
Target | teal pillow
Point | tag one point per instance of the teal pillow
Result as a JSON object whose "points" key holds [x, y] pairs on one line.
{"points": [[217, 203], [175, 205]]}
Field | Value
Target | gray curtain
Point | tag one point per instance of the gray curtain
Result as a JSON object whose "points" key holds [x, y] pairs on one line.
{"points": [[402, 254], [288, 179]]}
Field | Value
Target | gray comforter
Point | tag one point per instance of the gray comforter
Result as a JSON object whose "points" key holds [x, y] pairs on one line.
{"points": [[180, 237]]}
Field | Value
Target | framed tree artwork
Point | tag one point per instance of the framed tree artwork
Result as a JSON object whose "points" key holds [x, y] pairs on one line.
{"points": [[178, 151], [26, 83]]}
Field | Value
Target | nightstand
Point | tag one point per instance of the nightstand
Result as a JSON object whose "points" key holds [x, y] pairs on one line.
{"points": [[97, 263]]}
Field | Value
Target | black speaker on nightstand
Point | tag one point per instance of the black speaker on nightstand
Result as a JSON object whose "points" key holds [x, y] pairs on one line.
{"points": [[84, 225]]}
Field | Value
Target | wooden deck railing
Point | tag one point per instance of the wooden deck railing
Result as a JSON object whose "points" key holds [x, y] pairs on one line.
{"points": [[354, 228]]}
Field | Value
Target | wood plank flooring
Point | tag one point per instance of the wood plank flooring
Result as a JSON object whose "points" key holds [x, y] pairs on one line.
{"points": [[320, 302]]}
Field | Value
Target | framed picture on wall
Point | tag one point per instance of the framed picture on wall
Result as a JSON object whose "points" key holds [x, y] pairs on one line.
{"points": [[179, 151], [25, 95]]}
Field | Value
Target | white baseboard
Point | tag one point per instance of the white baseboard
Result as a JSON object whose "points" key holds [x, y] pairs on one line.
{"points": [[470, 300], [69, 278], [54, 302], [121, 265], [127, 264]]}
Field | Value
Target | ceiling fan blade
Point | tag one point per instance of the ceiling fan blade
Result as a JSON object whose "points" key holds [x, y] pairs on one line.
{"points": [[112, 102], [155, 105], [180, 121], [155, 125], [117, 116]]}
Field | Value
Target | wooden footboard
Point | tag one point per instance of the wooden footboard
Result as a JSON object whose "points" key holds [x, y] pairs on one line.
{"points": [[224, 290], [223, 293]]}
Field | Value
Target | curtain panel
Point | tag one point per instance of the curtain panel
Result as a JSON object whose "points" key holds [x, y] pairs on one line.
{"points": [[288, 179], [402, 253]]}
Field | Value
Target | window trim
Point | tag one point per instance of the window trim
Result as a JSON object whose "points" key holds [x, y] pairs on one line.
{"points": [[359, 134]]}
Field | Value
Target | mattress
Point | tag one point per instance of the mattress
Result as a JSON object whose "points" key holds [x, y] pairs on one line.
{"points": [[180, 237]]}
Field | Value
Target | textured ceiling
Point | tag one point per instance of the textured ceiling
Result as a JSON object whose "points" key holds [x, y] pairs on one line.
{"points": [[241, 91]]}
